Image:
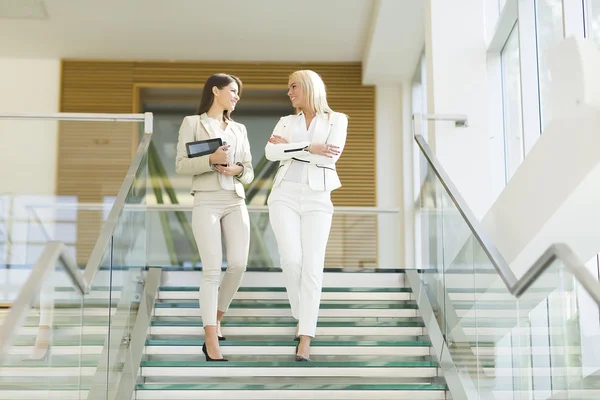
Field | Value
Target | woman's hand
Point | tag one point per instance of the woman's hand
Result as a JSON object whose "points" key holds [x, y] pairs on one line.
{"points": [[230, 170], [276, 139], [220, 156], [324, 149]]}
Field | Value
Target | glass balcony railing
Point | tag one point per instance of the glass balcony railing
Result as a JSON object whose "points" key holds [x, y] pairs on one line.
{"points": [[503, 338], [170, 242], [73, 296], [79, 277]]}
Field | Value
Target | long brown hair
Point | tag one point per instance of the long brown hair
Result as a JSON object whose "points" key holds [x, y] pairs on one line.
{"points": [[220, 81]]}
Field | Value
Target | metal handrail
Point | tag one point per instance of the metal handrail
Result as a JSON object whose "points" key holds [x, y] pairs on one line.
{"points": [[147, 118], [555, 252]]}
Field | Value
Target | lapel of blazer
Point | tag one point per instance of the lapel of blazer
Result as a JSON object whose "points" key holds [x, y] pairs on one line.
{"points": [[207, 126], [290, 125], [322, 128], [238, 140]]}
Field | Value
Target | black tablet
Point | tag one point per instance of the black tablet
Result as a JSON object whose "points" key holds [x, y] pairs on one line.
{"points": [[203, 147]]}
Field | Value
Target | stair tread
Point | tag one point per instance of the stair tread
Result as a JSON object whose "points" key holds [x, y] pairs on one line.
{"points": [[341, 270], [60, 342], [285, 386], [55, 362], [315, 343], [269, 322], [282, 289], [251, 289], [291, 364], [355, 305]]}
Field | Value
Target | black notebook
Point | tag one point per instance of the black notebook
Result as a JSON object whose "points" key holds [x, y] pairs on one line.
{"points": [[203, 147]]}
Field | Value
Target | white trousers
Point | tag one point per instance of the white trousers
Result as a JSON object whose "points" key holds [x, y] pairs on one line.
{"points": [[214, 214], [301, 221]]}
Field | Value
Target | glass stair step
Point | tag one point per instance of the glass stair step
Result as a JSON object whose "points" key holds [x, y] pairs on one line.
{"points": [[279, 327], [276, 322], [282, 289], [232, 369], [273, 348], [279, 293], [62, 341], [283, 354], [298, 386], [286, 305], [49, 393], [291, 391], [282, 309], [315, 343]]}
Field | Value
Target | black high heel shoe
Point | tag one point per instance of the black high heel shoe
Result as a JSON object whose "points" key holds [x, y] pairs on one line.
{"points": [[300, 358], [208, 357]]}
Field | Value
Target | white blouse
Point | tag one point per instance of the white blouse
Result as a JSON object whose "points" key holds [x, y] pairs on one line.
{"points": [[227, 136], [297, 171]]}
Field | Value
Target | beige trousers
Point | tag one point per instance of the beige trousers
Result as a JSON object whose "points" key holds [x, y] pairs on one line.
{"points": [[216, 215]]}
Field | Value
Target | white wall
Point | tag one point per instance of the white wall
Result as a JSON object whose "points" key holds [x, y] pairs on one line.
{"points": [[457, 84], [389, 167], [28, 149]]}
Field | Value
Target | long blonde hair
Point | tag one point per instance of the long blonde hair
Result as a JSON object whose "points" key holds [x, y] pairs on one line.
{"points": [[314, 90]]}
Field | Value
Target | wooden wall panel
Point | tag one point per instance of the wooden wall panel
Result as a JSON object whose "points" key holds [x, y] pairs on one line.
{"points": [[108, 87]]}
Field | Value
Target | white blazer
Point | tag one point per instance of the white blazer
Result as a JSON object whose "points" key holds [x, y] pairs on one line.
{"points": [[331, 128], [197, 127]]}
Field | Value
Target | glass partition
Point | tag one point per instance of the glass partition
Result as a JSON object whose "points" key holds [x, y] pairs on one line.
{"points": [[535, 346], [71, 345], [352, 243], [53, 349], [31, 214]]}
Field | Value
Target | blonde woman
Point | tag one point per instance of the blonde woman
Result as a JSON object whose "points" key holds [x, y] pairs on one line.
{"points": [[219, 205], [307, 145]]}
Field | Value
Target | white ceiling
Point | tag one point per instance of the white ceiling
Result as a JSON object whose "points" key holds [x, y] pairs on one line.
{"points": [[219, 30], [396, 41]]}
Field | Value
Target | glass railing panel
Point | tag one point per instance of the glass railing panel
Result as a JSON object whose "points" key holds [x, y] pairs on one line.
{"points": [[80, 176], [88, 334], [118, 284], [540, 345], [22, 240], [353, 241], [49, 352], [494, 315], [558, 355], [29, 212], [448, 257]]}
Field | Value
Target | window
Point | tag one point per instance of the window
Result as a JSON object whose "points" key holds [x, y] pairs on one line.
{"points": [[511, 99], [593, 12], [549, 31]]}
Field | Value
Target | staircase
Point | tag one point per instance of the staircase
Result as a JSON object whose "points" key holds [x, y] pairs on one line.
{"points": [[78, 339], [371, 343]]}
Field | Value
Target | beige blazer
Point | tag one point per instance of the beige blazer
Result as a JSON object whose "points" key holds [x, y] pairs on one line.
{"points": [[322, 174], [197, 127]]}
